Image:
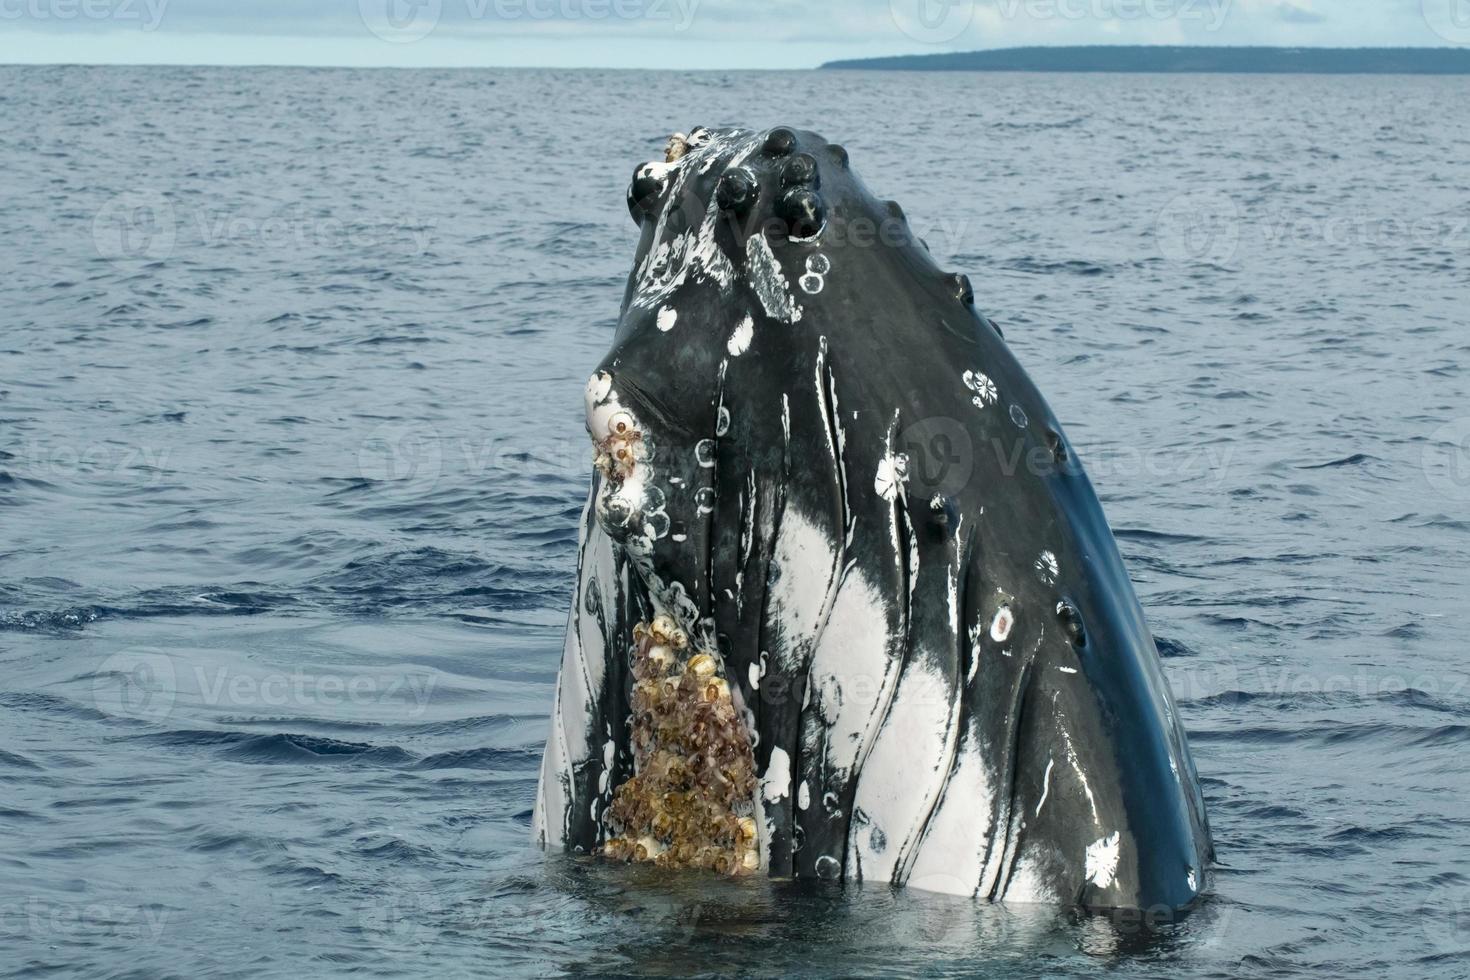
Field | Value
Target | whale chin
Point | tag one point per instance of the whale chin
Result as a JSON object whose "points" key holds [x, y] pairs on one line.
{"points": [[847, 606]]}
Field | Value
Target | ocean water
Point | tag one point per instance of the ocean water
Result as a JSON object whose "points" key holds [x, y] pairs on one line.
{"points": [[291, 457]]}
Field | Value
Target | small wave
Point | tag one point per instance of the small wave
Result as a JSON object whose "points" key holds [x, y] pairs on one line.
{"points": [[34, 701], [1169, 647], [17, 761], [1144, 534], [296, 749], [494, 760], [1356, 459]]}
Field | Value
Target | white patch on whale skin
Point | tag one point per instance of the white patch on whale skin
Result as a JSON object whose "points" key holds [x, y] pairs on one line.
{"points": [[912, 736], [768, 281], [983, 388], [1102, 860], [853, 646], [580, 681], [1048, 568], [808, 560], [741, 338], [1027, 885], [598, 387], [775, 787], [951, 857], [893, 472], [803, 796], [667, 317]]}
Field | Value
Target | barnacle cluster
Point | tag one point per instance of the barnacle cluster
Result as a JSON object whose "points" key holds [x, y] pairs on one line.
{"points": [[691, 802], [618, 450]]}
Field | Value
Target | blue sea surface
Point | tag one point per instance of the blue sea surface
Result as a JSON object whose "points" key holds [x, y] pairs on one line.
{"points": [[292, 458]]}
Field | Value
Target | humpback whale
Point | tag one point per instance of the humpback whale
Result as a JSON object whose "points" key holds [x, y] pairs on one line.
{"points": [[847, 606]]}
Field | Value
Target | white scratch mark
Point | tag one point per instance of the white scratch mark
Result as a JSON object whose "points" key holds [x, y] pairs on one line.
{"points": [[741, 338], [1045, 786], [768, 281]]}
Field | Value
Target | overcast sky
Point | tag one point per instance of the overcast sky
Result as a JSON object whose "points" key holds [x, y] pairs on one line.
{"points": [[677, 33]]}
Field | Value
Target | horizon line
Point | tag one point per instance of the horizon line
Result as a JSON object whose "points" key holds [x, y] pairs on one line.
{"points": [[807, 68]]}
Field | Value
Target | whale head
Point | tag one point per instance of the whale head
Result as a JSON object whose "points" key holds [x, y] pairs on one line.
{"points": [[823, 470]]}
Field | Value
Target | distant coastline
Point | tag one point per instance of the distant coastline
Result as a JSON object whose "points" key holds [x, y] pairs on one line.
{"points": [[1150, 58]]}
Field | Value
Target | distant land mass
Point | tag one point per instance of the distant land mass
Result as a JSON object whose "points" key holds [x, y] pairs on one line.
{"points": [[1161, 58]]}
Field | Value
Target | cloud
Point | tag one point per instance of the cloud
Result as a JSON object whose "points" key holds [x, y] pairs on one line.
{"points": [[1292, 14]]}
